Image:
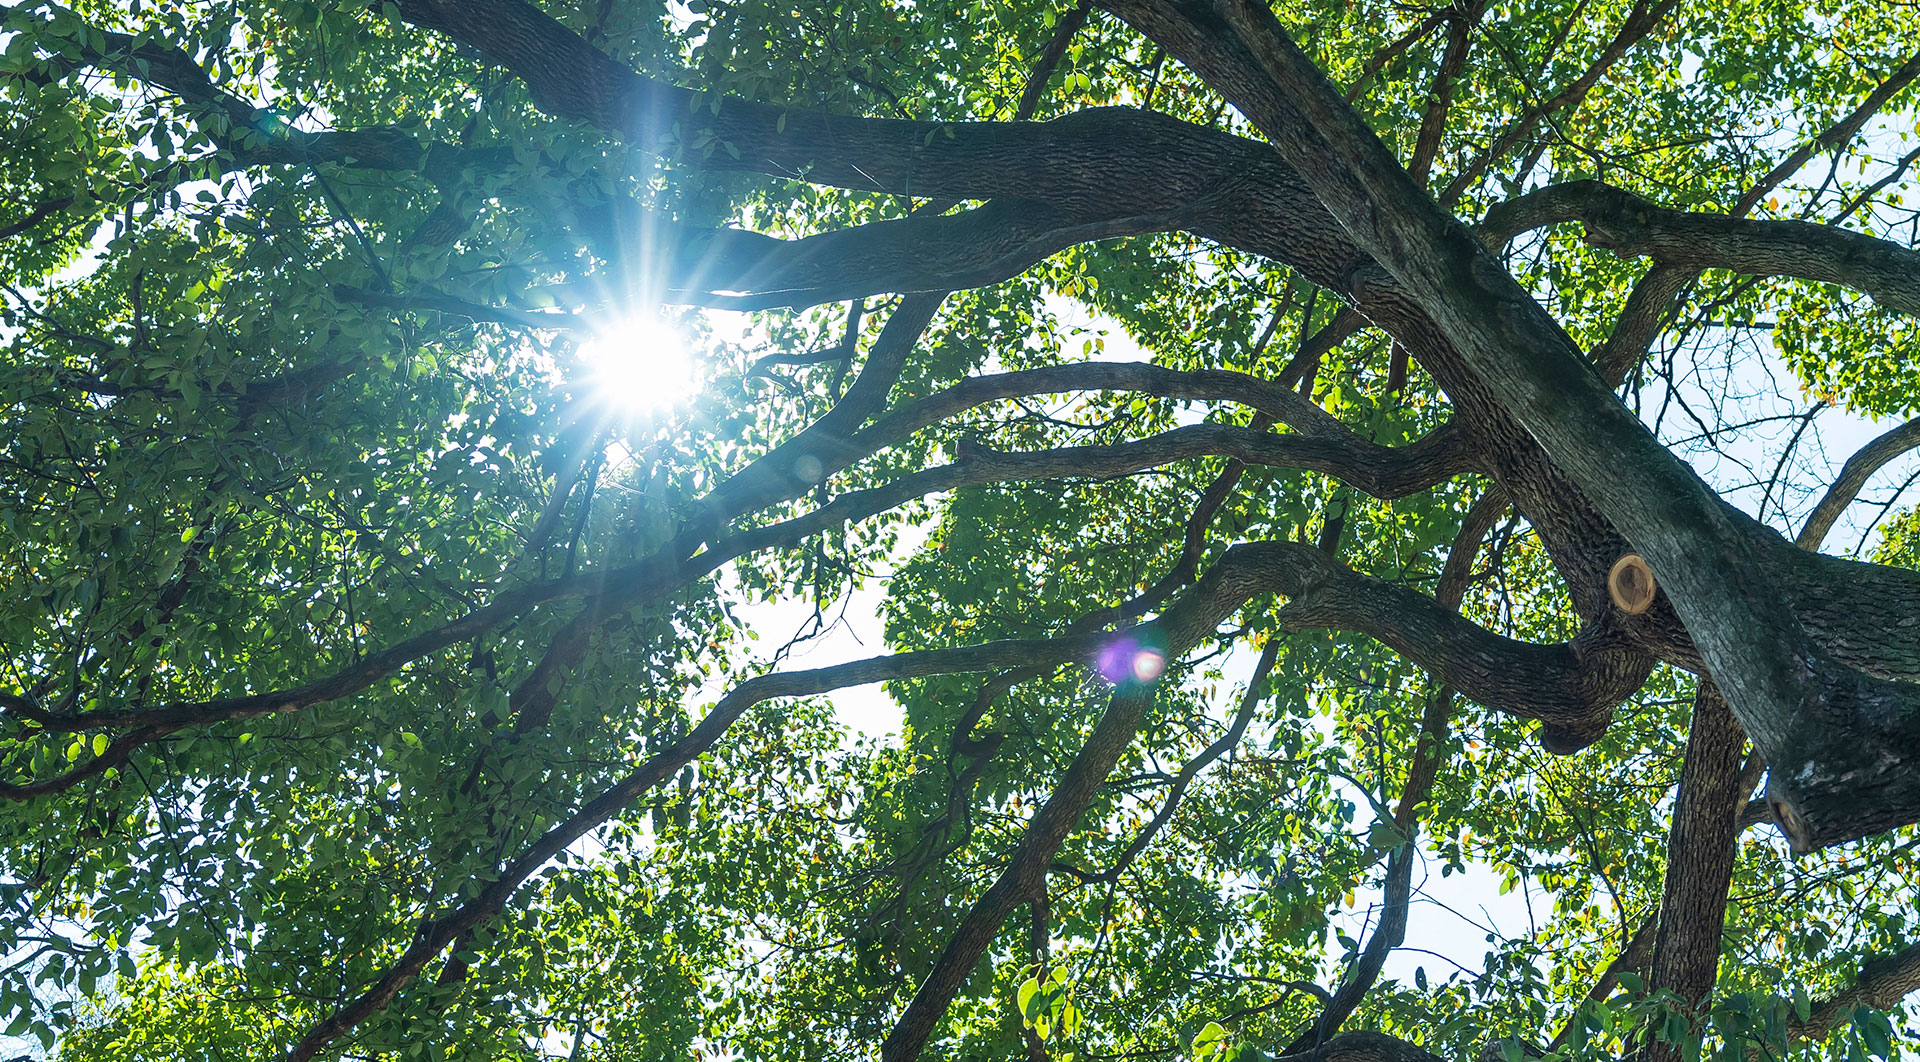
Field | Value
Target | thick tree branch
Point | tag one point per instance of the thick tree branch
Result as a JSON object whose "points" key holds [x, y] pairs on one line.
{"points": [[1365, 1047], [1623, 222], [1635, 952], [739, 270], [1571, 688], [1462, 20], [1050, 56], [1700, 852], [40, 212], [447, 304]]}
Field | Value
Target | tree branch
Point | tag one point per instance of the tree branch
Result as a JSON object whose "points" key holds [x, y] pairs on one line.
{"points": [[1853, 476], [1700, 852], [1620, 221], [1571, 688], [1249, 702], [1238, 576], [1881, 983], [255, 136]]}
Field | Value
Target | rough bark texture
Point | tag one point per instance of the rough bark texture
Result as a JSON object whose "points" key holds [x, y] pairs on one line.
{"points": [[1700, 852]]}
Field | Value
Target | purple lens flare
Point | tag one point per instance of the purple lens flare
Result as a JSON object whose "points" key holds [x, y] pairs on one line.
{"points": [[1129, 662]]}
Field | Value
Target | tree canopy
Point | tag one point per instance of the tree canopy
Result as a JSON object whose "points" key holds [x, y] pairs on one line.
{"points": [[1300, 454]]}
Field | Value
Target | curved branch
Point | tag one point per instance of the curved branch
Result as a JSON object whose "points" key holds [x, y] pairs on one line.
{"points": [[1853, 476], [447, 304], [369, 669], [1272, 398], [1620, 221], [734, 269], [1389, 471], [1572, 688]]}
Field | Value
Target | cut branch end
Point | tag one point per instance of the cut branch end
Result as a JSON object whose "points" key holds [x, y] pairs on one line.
{"points": [[1631, 584]]}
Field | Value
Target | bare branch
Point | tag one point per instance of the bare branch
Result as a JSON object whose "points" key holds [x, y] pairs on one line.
{"points": [[1640, 21], [1853, 476], [1833, 136]]}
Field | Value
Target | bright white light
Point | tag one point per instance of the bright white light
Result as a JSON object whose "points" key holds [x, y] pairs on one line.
{"points": [[1148, 664], [639, 365]]}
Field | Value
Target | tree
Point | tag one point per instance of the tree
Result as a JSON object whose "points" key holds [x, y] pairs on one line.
{"points": [[379, 674]]}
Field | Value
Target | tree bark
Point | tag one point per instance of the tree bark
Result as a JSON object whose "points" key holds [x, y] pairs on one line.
{"points": [[1700, 856]]}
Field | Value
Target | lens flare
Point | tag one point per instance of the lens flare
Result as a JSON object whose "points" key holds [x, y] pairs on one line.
{"points": [[1128, 662], [1148, 665], [639, 365]]}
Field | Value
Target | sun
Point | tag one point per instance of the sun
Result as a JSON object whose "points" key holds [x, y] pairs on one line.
{"points": [[641, 365]]}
